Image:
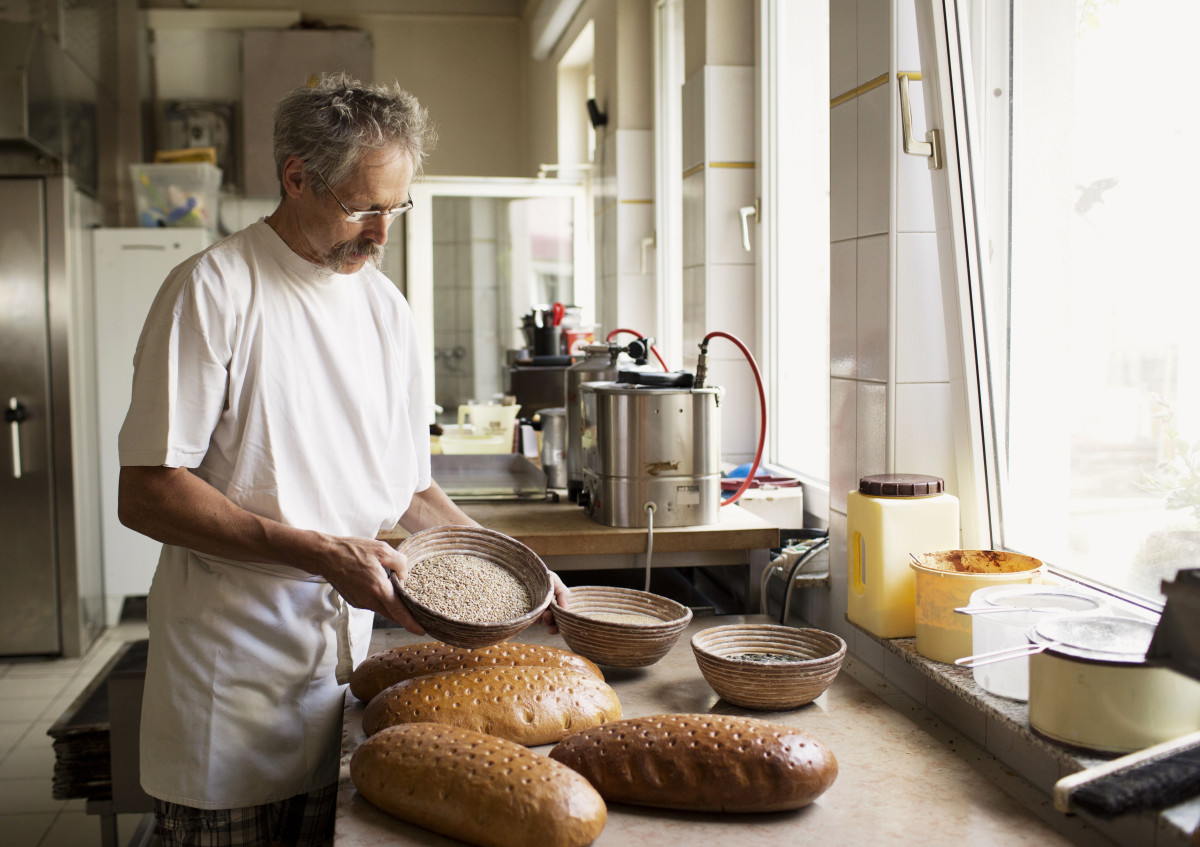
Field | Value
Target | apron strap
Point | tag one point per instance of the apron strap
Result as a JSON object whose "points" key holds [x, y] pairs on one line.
{"points": [[345, 661]]}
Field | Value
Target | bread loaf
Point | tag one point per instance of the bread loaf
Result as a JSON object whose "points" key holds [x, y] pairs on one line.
{"points": [[476, 788], [527, 705], [701, 762], [388, 667]]}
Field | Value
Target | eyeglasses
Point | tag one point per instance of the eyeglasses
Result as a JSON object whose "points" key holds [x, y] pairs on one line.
{"points": [[367, 215]]}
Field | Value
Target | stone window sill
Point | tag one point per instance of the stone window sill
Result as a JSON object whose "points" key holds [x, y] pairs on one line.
{"points": [[999, 727]]}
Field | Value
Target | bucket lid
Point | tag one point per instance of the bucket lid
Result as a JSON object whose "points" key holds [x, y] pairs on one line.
{"points": [[1043, 599], [901, 485]]}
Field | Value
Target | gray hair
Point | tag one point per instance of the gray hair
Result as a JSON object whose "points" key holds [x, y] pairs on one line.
{"points": [[331, 124]]}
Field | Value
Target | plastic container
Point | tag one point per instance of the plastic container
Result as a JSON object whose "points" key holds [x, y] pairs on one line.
{"points": [[946, 579], [554, 446], [888, 520], [1000, 617], [177, 194]]}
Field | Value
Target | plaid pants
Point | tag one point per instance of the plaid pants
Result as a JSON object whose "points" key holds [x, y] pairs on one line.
{"points": [[305, 820]]}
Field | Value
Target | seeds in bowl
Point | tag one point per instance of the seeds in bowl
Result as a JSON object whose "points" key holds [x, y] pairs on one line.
{"points": [[467, 588], [621, 617], [769, 658]]}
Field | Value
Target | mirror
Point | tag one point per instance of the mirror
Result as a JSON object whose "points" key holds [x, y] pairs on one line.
{"points": [[481, 255]]}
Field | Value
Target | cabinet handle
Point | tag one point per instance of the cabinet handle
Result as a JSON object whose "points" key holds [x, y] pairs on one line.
{"points": [[15, 414], [746, 212], [931, 147]]}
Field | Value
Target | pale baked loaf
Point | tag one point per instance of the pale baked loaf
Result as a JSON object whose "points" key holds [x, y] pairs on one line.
{"points": [[701, 762], [388, 667], [527, 705], [476, 788]]}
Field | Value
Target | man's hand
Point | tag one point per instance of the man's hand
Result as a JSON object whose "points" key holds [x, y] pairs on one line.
{"points": [[359, 569], [562, 596]]}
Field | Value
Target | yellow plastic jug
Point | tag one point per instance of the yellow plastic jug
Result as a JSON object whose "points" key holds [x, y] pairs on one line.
{"points": [[890, 518]]}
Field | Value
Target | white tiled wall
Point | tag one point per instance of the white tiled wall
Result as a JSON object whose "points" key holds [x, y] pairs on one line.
{"points": [[889, 389], [718, 273]]}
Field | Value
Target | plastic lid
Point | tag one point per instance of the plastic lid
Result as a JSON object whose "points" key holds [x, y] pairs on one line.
{"points": [[901, 485], [658, 379]]}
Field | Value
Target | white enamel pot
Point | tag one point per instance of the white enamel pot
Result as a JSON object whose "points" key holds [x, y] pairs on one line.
{"points": [[1091, 686]]}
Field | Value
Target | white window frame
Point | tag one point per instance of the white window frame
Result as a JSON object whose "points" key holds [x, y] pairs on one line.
{"points": [[793, 237]]}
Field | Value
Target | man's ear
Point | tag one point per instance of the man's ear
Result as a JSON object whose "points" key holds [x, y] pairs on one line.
{"points": [[292, 177]]}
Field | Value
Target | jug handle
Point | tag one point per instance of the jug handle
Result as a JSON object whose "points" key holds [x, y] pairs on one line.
{"points": [[463, 413], [858, 567]]}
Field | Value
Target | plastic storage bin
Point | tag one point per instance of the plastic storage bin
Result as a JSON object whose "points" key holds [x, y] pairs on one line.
{"points": [[177, 194]]}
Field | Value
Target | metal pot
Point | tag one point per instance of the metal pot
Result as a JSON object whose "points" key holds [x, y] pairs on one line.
{"points": [[1091, 686], [657, 442]]}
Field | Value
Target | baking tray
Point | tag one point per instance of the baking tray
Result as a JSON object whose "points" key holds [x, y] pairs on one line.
{"points": [[489, 476]]}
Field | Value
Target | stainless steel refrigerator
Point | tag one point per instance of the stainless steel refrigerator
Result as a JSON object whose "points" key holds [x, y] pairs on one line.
{"points": [[51, 581]]}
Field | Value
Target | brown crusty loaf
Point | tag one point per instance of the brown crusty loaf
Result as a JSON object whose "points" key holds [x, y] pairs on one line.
{"points": [[388, 667], [530, 706], [702, 762], [476, 788]]}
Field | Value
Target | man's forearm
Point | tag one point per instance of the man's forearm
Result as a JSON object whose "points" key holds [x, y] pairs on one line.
{"points": [[433, 507], [174, 506]]}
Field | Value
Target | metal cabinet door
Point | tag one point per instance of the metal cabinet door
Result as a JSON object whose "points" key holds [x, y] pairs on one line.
{"points": [[28, 556]]}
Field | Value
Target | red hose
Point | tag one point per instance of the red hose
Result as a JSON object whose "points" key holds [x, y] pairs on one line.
{"points": [[653, 349], [762, 410]]}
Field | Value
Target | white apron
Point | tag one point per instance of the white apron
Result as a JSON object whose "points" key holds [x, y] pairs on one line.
{"points": [[242, 705]]}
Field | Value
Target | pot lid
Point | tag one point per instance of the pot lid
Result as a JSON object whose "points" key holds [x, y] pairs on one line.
{"points": [[1099, 638]]}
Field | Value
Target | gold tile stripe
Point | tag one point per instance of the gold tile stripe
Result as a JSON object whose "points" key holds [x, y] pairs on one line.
{"points": [[639, 202], [868, 86], [695, 169]]}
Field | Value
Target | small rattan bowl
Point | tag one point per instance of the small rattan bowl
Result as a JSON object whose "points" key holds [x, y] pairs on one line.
{"points": [[492, 546], [815, 659], [617, 643]]}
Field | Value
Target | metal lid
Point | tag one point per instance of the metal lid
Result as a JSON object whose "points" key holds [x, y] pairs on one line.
{"points": [[1095, 638], [901, 485]]}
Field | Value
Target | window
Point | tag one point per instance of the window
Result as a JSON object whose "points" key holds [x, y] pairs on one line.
{"points": [[1081, 165], [794, 261]]}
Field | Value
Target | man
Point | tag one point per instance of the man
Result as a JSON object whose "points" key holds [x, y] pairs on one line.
{"points": [[279, 421]]}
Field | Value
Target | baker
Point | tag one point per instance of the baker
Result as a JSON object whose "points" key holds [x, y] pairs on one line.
{"points": [[278, 422]]}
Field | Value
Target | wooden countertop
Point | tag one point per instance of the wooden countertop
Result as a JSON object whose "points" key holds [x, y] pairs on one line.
{"points": [[564, 529], [900, 781]]}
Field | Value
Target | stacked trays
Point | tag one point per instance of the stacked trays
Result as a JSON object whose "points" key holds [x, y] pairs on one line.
{"points": [[491, 546], [811, 658], [641, 629]]}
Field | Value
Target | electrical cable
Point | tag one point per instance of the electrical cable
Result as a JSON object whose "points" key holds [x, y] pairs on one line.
{"points": [[649, 507]]}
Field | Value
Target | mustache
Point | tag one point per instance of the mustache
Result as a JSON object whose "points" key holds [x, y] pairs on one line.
{"points": [[340, 255]]}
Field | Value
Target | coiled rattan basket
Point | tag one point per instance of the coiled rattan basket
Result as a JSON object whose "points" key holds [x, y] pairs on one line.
{"points": [[491, 546], [813, 659], [620, 644]]}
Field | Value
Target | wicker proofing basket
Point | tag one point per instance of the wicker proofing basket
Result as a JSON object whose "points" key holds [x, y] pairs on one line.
{"points": [[768, 685], [620, 644], [491, 546]]}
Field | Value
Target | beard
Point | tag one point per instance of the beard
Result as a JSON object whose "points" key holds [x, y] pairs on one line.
{"points": [[339, 256]]}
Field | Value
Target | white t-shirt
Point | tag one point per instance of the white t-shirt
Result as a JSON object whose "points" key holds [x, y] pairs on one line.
{"points": [[298, 394]]}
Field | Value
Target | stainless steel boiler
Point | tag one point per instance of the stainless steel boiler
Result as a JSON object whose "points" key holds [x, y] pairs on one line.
{"points": [[598, 365], [651, 438]]}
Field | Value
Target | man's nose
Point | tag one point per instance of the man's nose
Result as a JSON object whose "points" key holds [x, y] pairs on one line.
{"points": [[377, 230]]}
